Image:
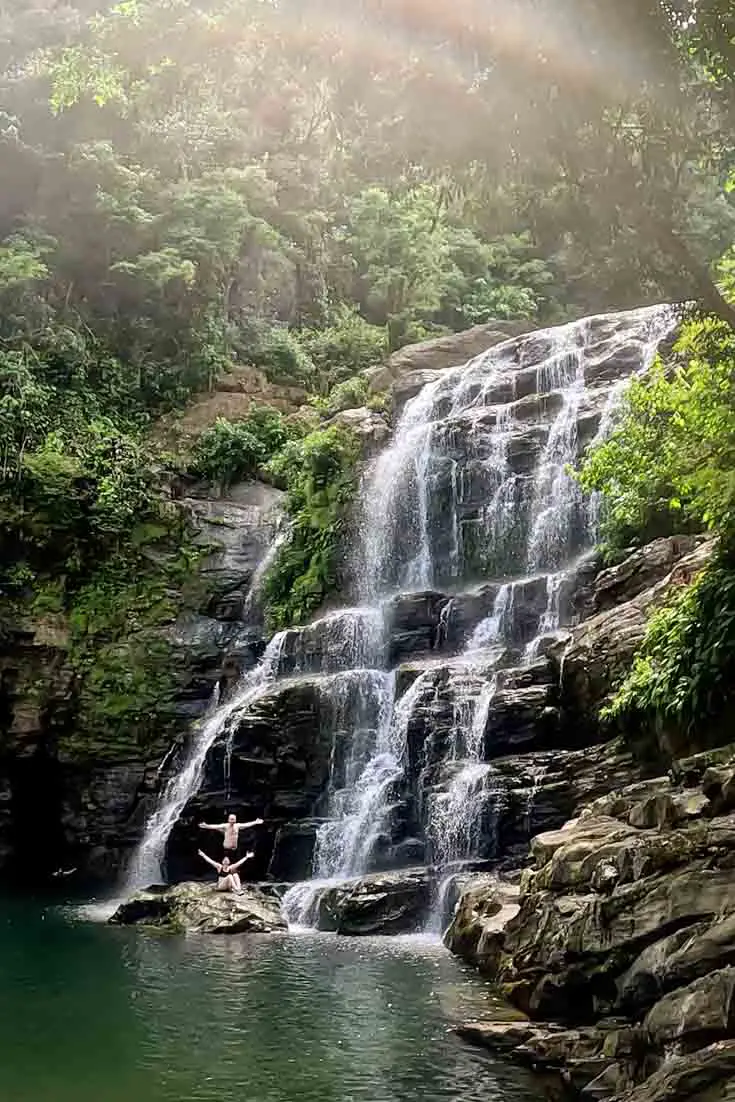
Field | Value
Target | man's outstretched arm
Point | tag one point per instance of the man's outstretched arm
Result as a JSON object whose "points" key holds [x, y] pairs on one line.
{"points": [[212, 826], [255, 823]]}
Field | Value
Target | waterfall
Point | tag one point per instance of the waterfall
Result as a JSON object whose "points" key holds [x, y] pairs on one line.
{"points": [[496, 518], [373, 763], [471, 500], [497, 625], [358, 811], [147, 863], [255, 590]]}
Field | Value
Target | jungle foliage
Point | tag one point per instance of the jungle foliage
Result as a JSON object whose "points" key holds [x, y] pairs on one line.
{"points": [[302, 186], [669, 467]]}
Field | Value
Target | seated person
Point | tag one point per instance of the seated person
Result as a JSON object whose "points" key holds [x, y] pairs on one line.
{"points": [[228, 879]]}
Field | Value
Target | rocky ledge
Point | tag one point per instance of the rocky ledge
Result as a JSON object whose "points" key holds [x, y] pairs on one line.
{"points": [[198, 908], [387, 903], [620, 945]]}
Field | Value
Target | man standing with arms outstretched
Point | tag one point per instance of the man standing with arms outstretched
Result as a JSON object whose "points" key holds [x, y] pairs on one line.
{"points": [[231, 830]]}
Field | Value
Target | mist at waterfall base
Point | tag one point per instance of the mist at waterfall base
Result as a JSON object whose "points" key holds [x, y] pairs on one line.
{"points": [[472, 499], [93, 1013]]}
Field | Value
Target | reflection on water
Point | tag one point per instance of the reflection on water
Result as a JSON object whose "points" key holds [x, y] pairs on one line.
{"points": [[94, 1014]]}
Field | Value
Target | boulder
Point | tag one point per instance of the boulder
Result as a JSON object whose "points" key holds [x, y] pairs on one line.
{"points": [[646, 979], [199, 908], [573, 857], [476, 931], [384, 903], [666, 809], [695, 1015], [578, 1056], [370, 428], [552, 930], [707, 1075], [440, 353]]}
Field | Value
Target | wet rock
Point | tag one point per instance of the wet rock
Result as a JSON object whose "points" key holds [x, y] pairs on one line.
{"points": [[407, 386], [437, 354], [411, 851], [519, 718], [238, 526], [293, 849], [199, 908], [335, 643], [616, 916], [277, 754], [384, 903], [578, 1056], [414, 625]]}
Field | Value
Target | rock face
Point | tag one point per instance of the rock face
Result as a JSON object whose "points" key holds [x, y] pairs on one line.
{"points": [[391, 903], [541, 742], [601, 649], [466, 665], [624, 937], [437, 354], [198, 908], [239, 527], [371, 429], [81, 804], [232, 397]]}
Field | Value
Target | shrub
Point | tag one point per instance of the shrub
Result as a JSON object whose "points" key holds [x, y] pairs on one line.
{"points": [[279, 354], [350, 394], [684, 672], [231, 451], [320, 473], [345, 347], [227, 452], [670, 464]]}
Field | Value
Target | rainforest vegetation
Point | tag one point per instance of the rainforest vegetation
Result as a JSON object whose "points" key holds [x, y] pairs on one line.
{"points": [[193, 186]]}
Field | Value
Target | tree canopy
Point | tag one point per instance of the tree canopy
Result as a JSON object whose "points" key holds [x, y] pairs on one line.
{"points": [[190, 186]]}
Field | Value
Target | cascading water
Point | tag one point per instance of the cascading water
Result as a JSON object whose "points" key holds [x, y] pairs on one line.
{"points": [[473, 487], [147, 864], [497, 518]]}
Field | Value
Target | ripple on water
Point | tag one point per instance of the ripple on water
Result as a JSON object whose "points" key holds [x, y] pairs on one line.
{"points": [[121, 1014]]}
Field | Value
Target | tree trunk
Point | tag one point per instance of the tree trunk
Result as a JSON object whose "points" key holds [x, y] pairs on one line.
{"points": [[704, 289]]}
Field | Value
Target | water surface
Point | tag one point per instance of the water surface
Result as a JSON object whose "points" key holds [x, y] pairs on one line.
{"points": [[89, 1013]]}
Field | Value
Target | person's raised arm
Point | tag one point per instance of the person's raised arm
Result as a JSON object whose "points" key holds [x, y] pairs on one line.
{"points": [[212, 826], [242, 861], [214, 864], [255, 823]]}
